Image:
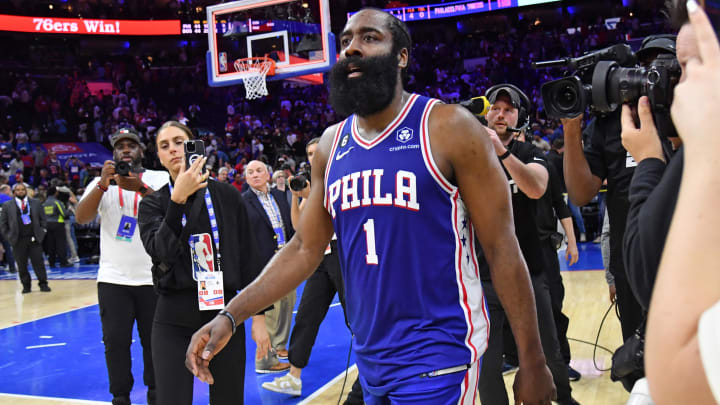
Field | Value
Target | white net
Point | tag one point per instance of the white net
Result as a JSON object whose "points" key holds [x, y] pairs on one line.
{"points": [[255, 71]]}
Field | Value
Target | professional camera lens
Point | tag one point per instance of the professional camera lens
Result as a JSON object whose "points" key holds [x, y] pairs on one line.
{"points": [[298, 183], [566, 98], [122, 168]]}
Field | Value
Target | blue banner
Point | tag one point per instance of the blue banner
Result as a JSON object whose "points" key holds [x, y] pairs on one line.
{"points": [[91, 153]]}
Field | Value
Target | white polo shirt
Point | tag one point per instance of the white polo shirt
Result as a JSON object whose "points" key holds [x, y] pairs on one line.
{"points": [[124, 263]]}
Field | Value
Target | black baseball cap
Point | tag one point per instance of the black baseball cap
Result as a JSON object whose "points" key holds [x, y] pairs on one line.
{"points": [[657, 43], [511, 93], [126, 133]]}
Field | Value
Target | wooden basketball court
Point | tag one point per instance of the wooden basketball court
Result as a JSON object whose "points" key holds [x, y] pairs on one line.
{"points": [[585, 303]]}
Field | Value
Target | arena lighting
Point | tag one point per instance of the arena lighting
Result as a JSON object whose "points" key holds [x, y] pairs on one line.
{"points": [[88, 26]]}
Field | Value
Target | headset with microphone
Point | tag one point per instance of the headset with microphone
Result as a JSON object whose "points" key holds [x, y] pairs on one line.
{"points": [[480, 105], [524, 103]]}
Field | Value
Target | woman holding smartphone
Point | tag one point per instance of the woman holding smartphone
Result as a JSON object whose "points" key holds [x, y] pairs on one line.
{"points": [[197, 234]]}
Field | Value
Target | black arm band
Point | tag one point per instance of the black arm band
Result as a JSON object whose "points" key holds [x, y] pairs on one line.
{"points": [[504, 155], [230, 317]]}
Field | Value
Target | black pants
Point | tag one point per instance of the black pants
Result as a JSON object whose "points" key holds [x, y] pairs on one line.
{"points": [[315, 302], [631, 314], [177, 317], [492, 386], [120, 307], [56, 243], [27, 248], [557, 295]]}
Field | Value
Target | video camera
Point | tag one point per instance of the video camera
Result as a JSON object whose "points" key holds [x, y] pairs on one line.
{"points": [[605, 79], [300, 180]]}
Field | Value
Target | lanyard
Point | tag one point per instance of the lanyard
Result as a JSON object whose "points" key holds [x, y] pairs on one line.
{"points": [[213, 222], [137, 196], [135, 204]]}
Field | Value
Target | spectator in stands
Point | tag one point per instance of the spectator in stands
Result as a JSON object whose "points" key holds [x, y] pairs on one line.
{"points": [[223, 175]]}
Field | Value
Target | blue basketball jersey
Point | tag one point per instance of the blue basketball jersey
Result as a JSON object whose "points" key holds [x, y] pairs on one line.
{"points": [[414, 297]]}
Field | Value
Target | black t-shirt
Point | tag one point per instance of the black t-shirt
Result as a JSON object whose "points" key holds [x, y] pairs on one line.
{"points": [[524, 213], [609, 160], [551, 206], [556, 161]]}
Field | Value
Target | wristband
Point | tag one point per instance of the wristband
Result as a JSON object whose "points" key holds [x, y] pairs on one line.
{"points": [[504, 155], [102, 188], [230, 317]]}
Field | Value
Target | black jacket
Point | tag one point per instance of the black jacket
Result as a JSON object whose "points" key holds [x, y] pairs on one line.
{"points": [[9, 220], [653, 196], [262, 227], [166, 240]]}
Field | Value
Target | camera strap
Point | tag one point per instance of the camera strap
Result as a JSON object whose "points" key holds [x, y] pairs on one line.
{"points": [[137, 197]]}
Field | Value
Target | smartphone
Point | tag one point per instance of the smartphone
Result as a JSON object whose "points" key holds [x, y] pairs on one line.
{"points": [[194, 149]]}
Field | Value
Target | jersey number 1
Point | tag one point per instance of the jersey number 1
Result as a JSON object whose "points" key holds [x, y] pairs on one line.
{"points": [[371, 256]]}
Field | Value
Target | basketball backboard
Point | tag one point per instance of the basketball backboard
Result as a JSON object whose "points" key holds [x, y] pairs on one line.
{"points": [[295, 33]]}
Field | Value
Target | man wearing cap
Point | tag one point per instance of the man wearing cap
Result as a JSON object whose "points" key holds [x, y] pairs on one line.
{"points": [[526, 170], [603, 157], [125, 287], [22, 222]]}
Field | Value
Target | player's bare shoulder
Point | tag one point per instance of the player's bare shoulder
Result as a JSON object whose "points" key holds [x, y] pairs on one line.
{"points": [[455, 134], [325, 147]]}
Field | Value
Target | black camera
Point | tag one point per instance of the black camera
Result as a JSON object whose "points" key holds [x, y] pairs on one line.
{"points": [[605, 79], [122, 168], [300, 181]]}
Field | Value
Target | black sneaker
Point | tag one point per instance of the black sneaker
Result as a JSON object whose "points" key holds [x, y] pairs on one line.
{"points": [[45, 288], [573, 375], [26, 290]]}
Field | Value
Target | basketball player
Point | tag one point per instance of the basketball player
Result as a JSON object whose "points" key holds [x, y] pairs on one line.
{"points": [[402, 181]]}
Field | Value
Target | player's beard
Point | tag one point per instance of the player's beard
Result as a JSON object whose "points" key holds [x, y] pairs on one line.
{"points": [[368, 94]]}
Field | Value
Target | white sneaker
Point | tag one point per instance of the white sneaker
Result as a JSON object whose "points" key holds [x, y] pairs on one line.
{"points": [[286, 384], [75, 260]]}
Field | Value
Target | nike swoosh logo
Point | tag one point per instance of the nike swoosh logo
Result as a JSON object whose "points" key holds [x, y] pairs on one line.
{"points": [[536, 158], [342, 154]]}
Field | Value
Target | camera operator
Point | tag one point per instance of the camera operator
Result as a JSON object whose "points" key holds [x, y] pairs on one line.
{"points": [[125, 285], [318, 294], [603, 158], [526, 170], [653, 190]]}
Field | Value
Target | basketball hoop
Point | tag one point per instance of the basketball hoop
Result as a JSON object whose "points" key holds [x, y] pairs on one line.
{"points": [[254, 71]]}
